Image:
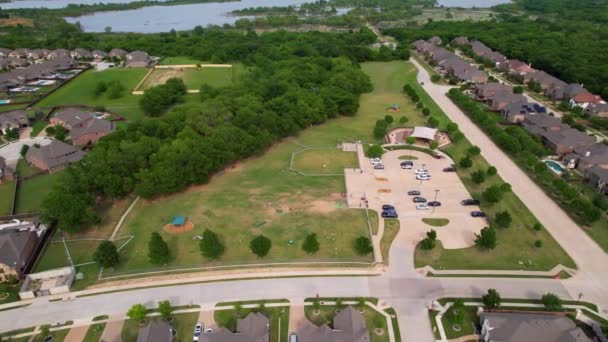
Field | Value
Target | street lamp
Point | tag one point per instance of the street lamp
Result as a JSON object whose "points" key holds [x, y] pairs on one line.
{"points": [[436, 193]]}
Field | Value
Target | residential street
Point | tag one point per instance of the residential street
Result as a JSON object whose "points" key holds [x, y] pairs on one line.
{"points": [[400, 286]]}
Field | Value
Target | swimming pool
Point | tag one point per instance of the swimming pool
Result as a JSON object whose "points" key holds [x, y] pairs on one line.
{"points": [[555, 166]]}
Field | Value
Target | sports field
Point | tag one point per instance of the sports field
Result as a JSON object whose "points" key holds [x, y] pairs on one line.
{"points": [[194, 78]]}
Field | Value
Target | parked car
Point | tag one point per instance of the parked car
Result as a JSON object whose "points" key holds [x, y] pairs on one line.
{"points": [[478, 214], [424, 176], [470, 201], [407, 162], [375, 160], [293, 338], [423, 207], [421, 171], [387, 207], [198, 329], [413, 193], [419, 199], [407, 166], [389, 214], [379, 167], [434, 204], [450, 169]]}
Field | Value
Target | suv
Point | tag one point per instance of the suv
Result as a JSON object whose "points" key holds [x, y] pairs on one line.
{"points": [[387, 207], [478, 214], [449, 169], [419, 199], [470, 202], [413, 193], [379, 167], [389, 214], [434, 204]]}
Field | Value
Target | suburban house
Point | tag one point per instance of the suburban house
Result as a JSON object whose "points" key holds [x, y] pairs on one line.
{"points": [[80, 53], [599, 110], [500, 100], [253, 328], [559, 137], [545, 80], [460, 41], [18, 244], [4, 52], [84, 127], [59, 53], [585, 157], [435, 40], [450, 63], [516, 68], [39, 54], [16, 62], [53, 156], [348, 326], [33, 72], [488, 90], [13, 119], [519, 327], [19, 53], [597, 178], [117, 53], [517, 112], [7, 174], [138, 59], [156, 331], [99, 54], [585, 100], [481, 50]]}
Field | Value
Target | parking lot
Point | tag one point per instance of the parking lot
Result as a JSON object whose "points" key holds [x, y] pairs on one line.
{"points": [[391, 185]]}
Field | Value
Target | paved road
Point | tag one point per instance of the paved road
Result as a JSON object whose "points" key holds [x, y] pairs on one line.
{"points": [[400, 287]]}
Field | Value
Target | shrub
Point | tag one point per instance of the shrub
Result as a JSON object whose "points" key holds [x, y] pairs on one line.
{"points": [[363, 245], [311, 244], [403, 120], [492, 194], [435, 78], [158, 250], [137, 312], [420, 105], [505, 187], [486, 238], [473, 151], [551, 301], [452, 127], [389, 119], [491, 300], [429, 242], [432, 122], [211, 247], [50, 130], [24, 150], [165, 309], [503, 219], [434, 144], [106, 254], [465, 162], [538, 243], [380, 129], [478, 177], [492, 171], [538, 227], [426, 111], [260, 245], [518, 90]]}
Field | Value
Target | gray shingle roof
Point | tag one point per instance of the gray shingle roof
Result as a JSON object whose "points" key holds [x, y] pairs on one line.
{"points": [[517, 327], [156, 331], [55, 154], [253, 328], [16, 247], [349, 326]]}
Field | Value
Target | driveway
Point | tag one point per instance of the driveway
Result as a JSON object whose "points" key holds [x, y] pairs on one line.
{"points": [[12, 151], [113, 330]]}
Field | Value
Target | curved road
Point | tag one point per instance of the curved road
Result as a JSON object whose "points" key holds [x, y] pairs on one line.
{"points": [[400, 286]]}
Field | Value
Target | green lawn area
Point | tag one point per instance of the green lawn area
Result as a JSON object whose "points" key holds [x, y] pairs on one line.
{"points": [[58, 335], [37, 127], [178, 60], [80, 90], [324, 161], [373, 320], [33, 191], [7, 191], [94, 332], [24, 169], [9, 293], [467, 327], [130, 330], [436, 222], [184, 325], [194, 78], [391, 229], [55, 256], [278, 316]]}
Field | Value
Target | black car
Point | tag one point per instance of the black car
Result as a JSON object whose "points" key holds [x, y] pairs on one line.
{"points": [[478, 214], [449, 169], [470, 202], [407, 162], [389, 214], [419, 199], [387, 207], [434, 204], [379, 167], [413, 193]]}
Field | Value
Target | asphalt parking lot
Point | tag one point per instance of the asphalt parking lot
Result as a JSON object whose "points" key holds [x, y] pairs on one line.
{"points": [[390, 186]]}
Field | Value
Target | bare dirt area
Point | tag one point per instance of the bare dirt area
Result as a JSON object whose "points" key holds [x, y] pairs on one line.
{"points": [[160, 76], [16, 22], [173, 229]]}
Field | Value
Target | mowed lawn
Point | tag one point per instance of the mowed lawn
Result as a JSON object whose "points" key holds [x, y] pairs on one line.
{"points": [[7, 190], [193, 77], [80, 91], [324, 161], [32, 192], [181, 60]]}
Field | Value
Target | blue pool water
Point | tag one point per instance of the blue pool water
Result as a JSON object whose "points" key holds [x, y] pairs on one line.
{"points": [[554, 166]]}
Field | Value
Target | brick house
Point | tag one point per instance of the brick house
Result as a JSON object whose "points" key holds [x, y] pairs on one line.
{"points": [[54, 156]]}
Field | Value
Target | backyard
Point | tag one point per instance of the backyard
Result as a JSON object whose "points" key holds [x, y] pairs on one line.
{"points": [[32, 192], [7, 191]]}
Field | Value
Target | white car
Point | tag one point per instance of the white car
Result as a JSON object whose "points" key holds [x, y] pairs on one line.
{"points": [[375, 160], [423, 206], [198, 330], [424, 176], [421, 171], [406, 166]]}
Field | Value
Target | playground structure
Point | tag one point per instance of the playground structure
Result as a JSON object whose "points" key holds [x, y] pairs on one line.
{"points": [[179, 224]]}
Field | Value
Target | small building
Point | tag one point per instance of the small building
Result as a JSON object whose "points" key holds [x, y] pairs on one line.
{"points": [[47, 283], [99, 54], [179, 220], [54, 156], [15, 119], [138, 59], [59, 53], [348, 326], [156, 331], [520, 327], [80, 53], [253, 328], [584, 100]]}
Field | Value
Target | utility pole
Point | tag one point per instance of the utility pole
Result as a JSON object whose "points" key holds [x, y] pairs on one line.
{"points": [[436, 192]]}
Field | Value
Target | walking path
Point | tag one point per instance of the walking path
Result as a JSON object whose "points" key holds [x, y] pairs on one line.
{"points": [[122, 219]]}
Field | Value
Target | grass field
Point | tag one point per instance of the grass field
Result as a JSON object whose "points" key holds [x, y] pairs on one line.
{"points": [[80, 91], [24, 169], [192, 77], [324, 161], [467, 327], [33, 191], [373, 320], [181, 60], [391, 229], [55, 255], [279, 320], [7, 191]]}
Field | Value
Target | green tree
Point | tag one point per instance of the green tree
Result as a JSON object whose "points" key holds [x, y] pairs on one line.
{"points": [[538, 227], [478, 177], [50, 130], [380, 129], [465, 162], [452, 127], [311, 244], [100, 88], [505, 187], [12, 134], [486, 238], [492, 171], [45, 331], [24, 150], [375, 151], [518, 90], [429, 242], [158, 250], [551, 301], [403, 120], [260, 245], [106, 254], [211, 247], [432, 122], [493, 194], [420, 105], [165, 309], [435, 78], [389, 119], [363, 245], [60, 133], [473, 151], [491, 300], [115, 90], [538, 243], [503, 219], [137, 312], [426, 111]]}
